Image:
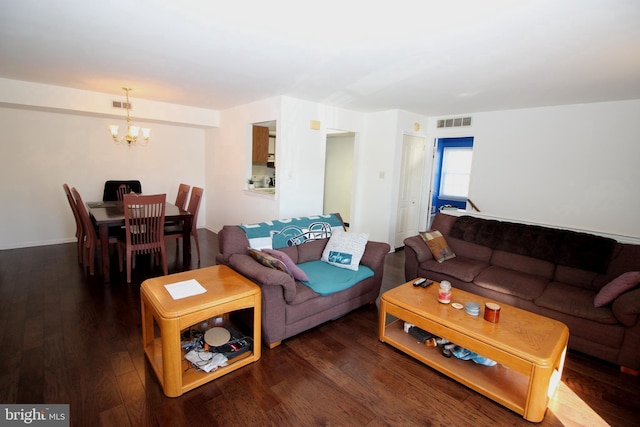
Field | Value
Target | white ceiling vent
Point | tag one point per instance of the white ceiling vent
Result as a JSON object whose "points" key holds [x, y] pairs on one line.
{"points": [[455, 122], [120, 104]]}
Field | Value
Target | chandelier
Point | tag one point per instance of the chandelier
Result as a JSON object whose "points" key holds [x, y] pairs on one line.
{"points": [[132, 131]]}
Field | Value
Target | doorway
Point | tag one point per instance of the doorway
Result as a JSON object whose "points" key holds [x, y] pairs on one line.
{"points": [[338, 174], [410, 189]]}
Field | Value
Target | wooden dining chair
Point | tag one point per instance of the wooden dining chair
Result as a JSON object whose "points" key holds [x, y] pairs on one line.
{"points": [[90, 240], [181, 198], [143, 229], [176, 231], [76, 216]]}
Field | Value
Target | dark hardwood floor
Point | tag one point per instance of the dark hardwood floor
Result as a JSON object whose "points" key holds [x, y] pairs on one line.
{"points": [[69, 338]]}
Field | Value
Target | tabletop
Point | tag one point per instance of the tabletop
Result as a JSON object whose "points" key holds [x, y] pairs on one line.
{"points": [[113, 212]]}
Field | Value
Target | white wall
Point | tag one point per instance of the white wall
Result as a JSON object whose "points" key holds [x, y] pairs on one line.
{"points": [[41, 150], [41, 96], [300, 164], [574, 165], [378, 160], [300, 158], [228, 165]]}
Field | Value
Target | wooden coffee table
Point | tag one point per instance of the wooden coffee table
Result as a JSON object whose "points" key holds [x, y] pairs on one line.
{"points": [[529, 349], [227, 291]]}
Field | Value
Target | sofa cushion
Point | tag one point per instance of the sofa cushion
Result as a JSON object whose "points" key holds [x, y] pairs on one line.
{"points": [[464, 269], [576, 277], [626, 257], [248, 267], [311, 251], [626, 307], [345, 249], [574, 301], [295, 271], [511, 282], [303, 293], [523, 263], [268, 260], [437, 245], [617, 287], [325, 279], [469, 250]]}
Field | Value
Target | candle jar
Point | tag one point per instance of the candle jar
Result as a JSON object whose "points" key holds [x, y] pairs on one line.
{"points": [[492, 312], [444, 293]]}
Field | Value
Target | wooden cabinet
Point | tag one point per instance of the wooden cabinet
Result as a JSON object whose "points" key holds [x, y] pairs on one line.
{"points": [[260, 144]]}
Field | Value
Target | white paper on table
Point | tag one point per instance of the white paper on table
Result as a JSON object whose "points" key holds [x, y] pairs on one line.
{"points": [[185, 289]]}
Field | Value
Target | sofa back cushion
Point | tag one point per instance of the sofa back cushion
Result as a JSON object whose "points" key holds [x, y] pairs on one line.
{"points": [[564, 247], [525, 264], [311, 251], [576, 277], [470, 250], [443, 223], [626, 257]]}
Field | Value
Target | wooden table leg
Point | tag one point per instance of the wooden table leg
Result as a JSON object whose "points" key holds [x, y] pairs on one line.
{"points": [[171, 357], [104, 250], [186, 244]]}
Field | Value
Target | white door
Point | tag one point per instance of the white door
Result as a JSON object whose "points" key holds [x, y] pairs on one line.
{"points": [[409, 198]]}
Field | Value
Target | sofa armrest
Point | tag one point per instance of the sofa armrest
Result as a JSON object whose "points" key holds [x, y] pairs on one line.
{"points": [[626, 307], [374, 254], [263, 276], [419, 247], [415, 253], [231, 240]]}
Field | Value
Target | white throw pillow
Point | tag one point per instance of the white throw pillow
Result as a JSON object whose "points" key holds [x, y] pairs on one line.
{"points": [[345, 249]]}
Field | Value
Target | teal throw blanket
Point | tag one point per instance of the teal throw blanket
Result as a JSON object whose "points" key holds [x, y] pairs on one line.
{"points": [[281, 233]]}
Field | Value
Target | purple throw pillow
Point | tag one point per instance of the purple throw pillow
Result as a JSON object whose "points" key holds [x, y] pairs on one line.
{"points": [[616, 287], [296, 271]]}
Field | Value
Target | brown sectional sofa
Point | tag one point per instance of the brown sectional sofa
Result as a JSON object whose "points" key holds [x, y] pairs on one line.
{"points": [[552, 272], [288, 306]]}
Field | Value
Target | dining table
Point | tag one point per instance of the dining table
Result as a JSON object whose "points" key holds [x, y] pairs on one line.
{"points": [[110, 215]]}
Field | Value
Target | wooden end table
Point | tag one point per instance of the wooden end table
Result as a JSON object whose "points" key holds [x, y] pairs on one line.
{"points": [[227, 291], [529, 349]]}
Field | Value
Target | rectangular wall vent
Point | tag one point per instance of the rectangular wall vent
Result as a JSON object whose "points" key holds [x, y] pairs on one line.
{"points": [[120, 104], [455, 122]]}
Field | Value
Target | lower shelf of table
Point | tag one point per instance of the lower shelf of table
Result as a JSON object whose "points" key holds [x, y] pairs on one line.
{"points": [[506, 386], [193, 377]]}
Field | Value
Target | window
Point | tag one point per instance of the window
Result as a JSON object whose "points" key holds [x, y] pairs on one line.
{"points": [[452, 172], [456, 172]]}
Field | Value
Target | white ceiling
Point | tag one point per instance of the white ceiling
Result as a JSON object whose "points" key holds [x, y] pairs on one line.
{"points": [[428, 57]]}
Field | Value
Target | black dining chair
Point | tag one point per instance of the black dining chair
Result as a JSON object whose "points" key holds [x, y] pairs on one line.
{"points": [[110, 193]]}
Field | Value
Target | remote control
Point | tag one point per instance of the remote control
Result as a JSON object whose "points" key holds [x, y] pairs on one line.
{"points": [[422, 282]]}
